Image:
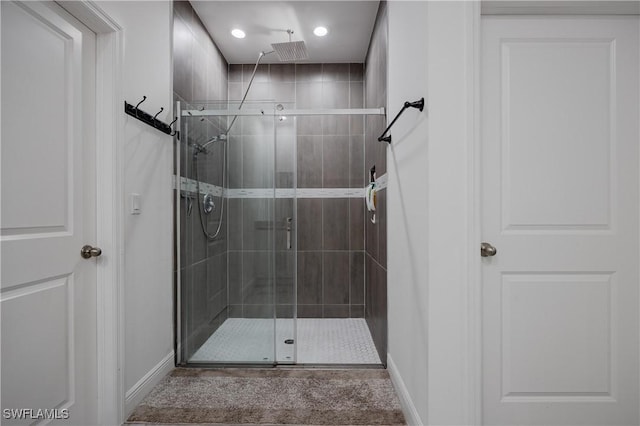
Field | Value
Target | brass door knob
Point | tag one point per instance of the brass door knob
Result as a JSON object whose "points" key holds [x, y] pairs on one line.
{"points": [[87, 252], [487, 250]]}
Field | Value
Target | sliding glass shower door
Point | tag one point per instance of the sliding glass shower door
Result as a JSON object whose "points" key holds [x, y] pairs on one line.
{"points": [[238, 264], [236, 287]]}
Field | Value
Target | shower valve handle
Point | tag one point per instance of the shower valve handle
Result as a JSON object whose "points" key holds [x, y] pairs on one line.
{"points": [[289, 221]]}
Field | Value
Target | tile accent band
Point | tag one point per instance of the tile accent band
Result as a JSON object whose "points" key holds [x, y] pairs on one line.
{"points": [[189, 186], [382, 181]]}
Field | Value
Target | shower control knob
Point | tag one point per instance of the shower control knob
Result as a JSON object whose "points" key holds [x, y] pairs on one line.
{"points": [[87, 252], [487, 250]]}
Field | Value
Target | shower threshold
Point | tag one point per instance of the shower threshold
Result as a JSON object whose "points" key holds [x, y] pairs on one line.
{"points": [[319, 342]]}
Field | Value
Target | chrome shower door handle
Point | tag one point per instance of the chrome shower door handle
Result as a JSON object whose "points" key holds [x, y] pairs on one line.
{"points": [[289, 220]]}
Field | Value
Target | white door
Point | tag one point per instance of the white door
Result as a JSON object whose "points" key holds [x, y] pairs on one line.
{"points": [[47, 291], [560, 204]]}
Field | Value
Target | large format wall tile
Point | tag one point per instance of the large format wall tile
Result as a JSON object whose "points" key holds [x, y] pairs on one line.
{"points": [[324, 152], [335, 161], [309, 161], [310, 278], [335, 280], [309, 224], [335, 224], [375, 77], [199, 73]]}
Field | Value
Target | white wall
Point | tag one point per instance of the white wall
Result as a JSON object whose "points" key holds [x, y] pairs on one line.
{"points": [[148, 293], [428, 207], [407, 224]]}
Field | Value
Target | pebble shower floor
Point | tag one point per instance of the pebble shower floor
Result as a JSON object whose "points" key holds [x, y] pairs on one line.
{"points": [[319, 341]]}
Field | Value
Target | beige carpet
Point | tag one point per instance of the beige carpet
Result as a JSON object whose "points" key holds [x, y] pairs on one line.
{"points": [[272, 396]]}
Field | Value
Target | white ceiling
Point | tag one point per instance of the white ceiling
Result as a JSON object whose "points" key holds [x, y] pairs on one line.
{"points": [[349, 22]]}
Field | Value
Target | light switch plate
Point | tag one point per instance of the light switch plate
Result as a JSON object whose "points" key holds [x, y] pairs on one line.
{"points": [[135, 203]]}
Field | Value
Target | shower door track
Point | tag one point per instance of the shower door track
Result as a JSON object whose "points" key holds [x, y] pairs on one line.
{"points": [[290, 112], [221, 365]]}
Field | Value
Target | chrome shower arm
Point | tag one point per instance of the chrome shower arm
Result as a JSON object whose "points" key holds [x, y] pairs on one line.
{"points": [[255, 68]]}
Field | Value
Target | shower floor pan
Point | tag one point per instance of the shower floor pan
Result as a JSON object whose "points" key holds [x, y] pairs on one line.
{"points": [[319, 341]]}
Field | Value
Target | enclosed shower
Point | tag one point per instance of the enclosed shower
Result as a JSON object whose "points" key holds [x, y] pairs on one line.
{"points": [[271, 224]]}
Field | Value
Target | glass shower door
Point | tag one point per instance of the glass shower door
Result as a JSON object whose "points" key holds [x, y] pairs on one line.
{"points": [[251, 234], [245, 332], [285, 235]]}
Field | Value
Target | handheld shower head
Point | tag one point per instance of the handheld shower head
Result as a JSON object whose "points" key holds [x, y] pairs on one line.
{"points": [[202, 148], [210, 141]]}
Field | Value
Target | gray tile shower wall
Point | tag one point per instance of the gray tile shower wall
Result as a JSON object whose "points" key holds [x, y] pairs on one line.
{"points": [[325, 152], [200, 73], [375, 153]]}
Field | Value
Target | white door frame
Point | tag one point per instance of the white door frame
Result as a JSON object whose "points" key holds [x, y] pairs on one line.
{"points": [[473, 294], [109, 202]]}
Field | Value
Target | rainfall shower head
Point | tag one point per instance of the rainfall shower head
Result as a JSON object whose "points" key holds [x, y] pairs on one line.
{"points": [[291, 51], [287, 52]]}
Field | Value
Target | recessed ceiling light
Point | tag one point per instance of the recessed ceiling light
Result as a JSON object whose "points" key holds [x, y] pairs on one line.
{"points": [[320, 31], [238, 33]]}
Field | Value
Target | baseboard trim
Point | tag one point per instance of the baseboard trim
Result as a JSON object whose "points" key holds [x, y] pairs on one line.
{"points": [[136, 394], [408, 408]]}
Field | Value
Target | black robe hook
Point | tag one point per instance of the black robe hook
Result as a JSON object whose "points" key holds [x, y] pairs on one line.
{"points": [[171, 124], [161, 109], [144, 98], [146, 118]]}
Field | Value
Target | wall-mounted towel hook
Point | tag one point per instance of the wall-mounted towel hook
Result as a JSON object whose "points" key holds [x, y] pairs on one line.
{"points": [[161, 109], [147, 118], [175, 131], [144, 98]]}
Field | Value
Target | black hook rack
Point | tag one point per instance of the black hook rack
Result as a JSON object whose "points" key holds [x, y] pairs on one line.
{"points": [[149, 119], [419, 104], [175, 132]]}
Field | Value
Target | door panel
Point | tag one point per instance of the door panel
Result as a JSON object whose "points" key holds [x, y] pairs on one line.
{"points": [[560, 203], [544, 187], [47, 291]]}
